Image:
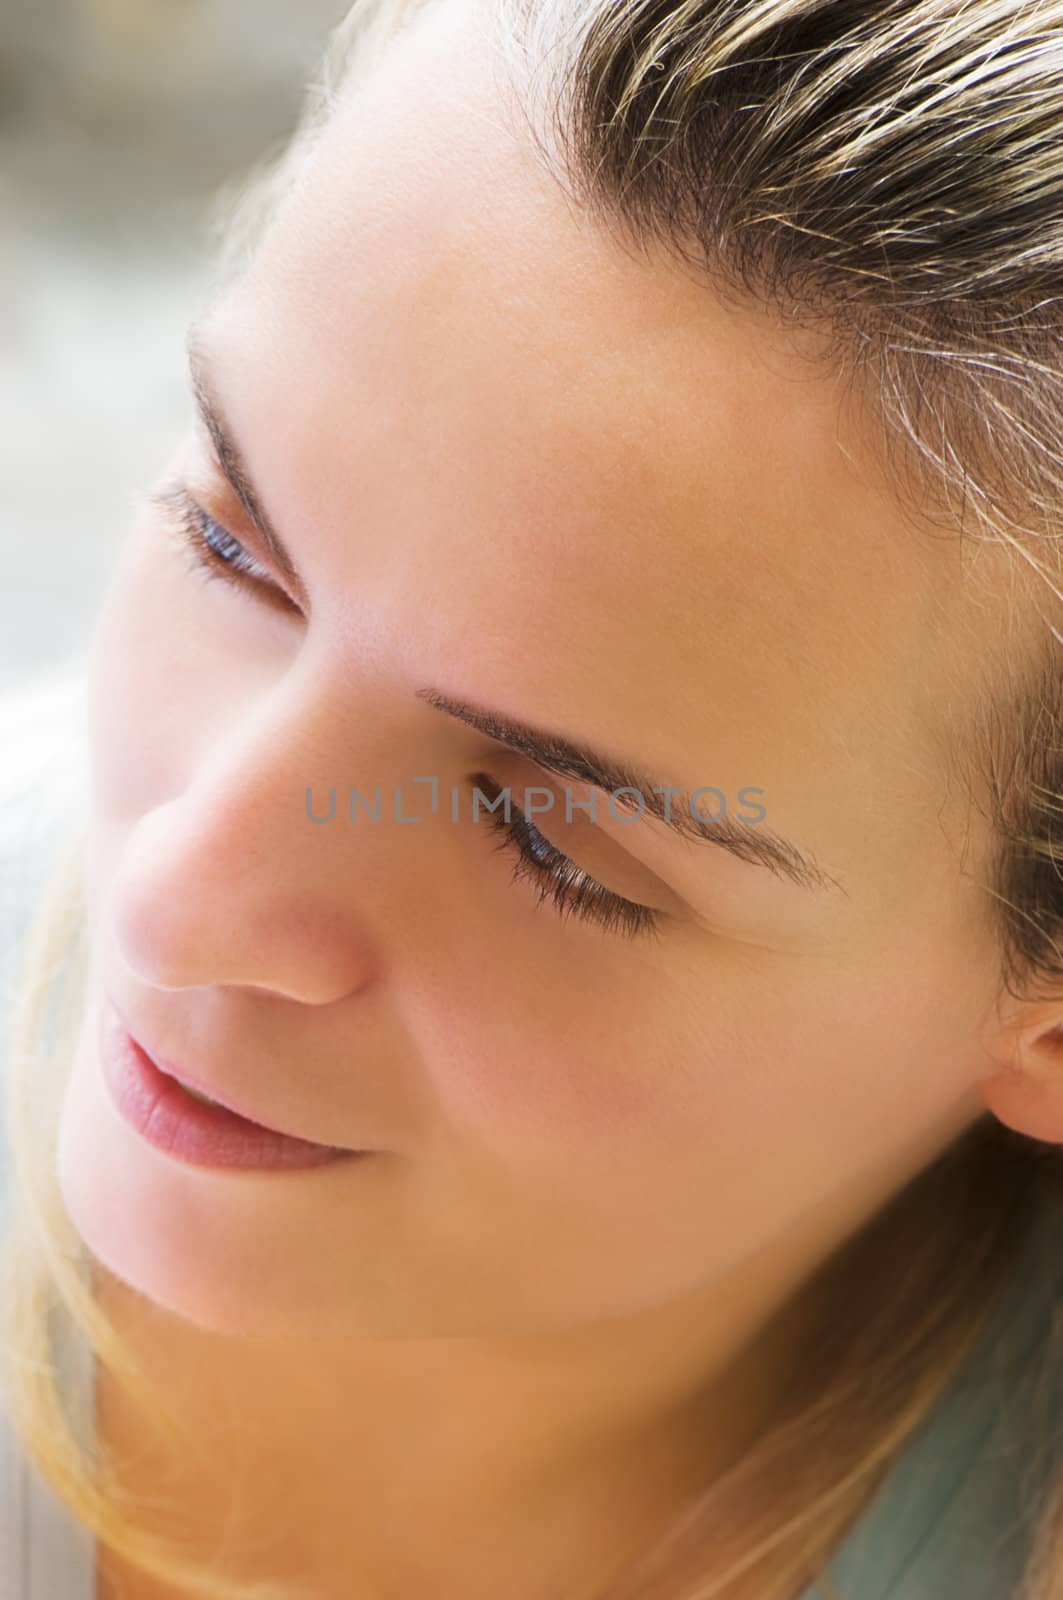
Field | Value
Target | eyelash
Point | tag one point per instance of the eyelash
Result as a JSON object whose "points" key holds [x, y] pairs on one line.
{"points": [[557, 877], [195, 529]]}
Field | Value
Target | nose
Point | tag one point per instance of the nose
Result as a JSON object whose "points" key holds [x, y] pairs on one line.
{"points": [[229, 882]]}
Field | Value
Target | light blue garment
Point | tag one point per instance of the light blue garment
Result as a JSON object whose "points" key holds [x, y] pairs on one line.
{"points": [[951, 1521], [944, 1525]]}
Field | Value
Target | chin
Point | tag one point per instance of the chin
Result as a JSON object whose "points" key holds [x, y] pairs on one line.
{"points": [[157, 1263], [169, 1231]]}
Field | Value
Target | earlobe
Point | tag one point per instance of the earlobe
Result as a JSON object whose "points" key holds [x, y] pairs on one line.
{"points": [[1025, 1092]]}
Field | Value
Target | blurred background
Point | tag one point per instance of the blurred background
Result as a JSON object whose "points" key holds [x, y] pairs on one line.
{"points": [[119, 121]]}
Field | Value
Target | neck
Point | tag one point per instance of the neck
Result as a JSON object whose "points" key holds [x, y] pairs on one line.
{"points": [[423, 1462]]}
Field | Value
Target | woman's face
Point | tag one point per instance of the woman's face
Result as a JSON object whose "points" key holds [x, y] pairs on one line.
{"points": [[520, 469]]}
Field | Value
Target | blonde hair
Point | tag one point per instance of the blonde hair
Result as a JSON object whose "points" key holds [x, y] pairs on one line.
{"points": [[891, 170]]}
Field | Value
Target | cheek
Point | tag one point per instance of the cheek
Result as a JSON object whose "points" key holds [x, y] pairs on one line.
{"points": [[546, 1091], [547, 1053], [750, 1088]]}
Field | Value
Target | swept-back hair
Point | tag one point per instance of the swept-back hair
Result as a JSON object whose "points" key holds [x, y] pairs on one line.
{"points": [[891, 173]]}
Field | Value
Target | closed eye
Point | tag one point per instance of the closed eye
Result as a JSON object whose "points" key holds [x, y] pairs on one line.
{"points": [[558, 878], [212, 550], [214, 553]]}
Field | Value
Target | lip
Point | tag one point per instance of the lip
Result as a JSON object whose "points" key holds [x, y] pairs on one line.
{"points": [[152, 1099]]}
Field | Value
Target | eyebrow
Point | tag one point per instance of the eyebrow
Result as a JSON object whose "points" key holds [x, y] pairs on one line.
{"points": [[751, 842], [230, 458]]}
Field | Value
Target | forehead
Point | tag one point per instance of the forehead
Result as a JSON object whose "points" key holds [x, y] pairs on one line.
{"points": [[587, 483]]}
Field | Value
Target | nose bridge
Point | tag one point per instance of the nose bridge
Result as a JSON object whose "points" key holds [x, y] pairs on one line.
{"points": [[295, 744]]}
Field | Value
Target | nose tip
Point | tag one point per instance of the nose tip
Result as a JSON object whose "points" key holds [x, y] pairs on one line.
{"points": [[213, 886]]}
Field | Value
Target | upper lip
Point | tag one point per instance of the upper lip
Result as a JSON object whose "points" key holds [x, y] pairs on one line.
{"points": [[190, 1081]]}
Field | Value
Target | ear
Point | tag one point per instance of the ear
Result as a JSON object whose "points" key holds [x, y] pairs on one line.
{"points": [[1025, 1091]]}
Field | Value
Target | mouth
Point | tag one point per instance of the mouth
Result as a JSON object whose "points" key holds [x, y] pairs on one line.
{"points": [[205, 1098], [192, 1087], [181, 1118]]}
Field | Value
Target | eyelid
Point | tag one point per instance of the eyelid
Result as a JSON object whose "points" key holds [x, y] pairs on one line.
{"points": [[633, 878], [604, 826], [206, 480], [262, 575], [559, 878], [233, 519], [187, 520]]}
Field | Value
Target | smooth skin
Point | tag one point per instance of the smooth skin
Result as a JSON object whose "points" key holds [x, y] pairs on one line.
{"points": [[536, 471]]}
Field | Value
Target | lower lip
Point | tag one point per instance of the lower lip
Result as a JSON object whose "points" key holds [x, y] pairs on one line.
{"points": [[191, 1131]]}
